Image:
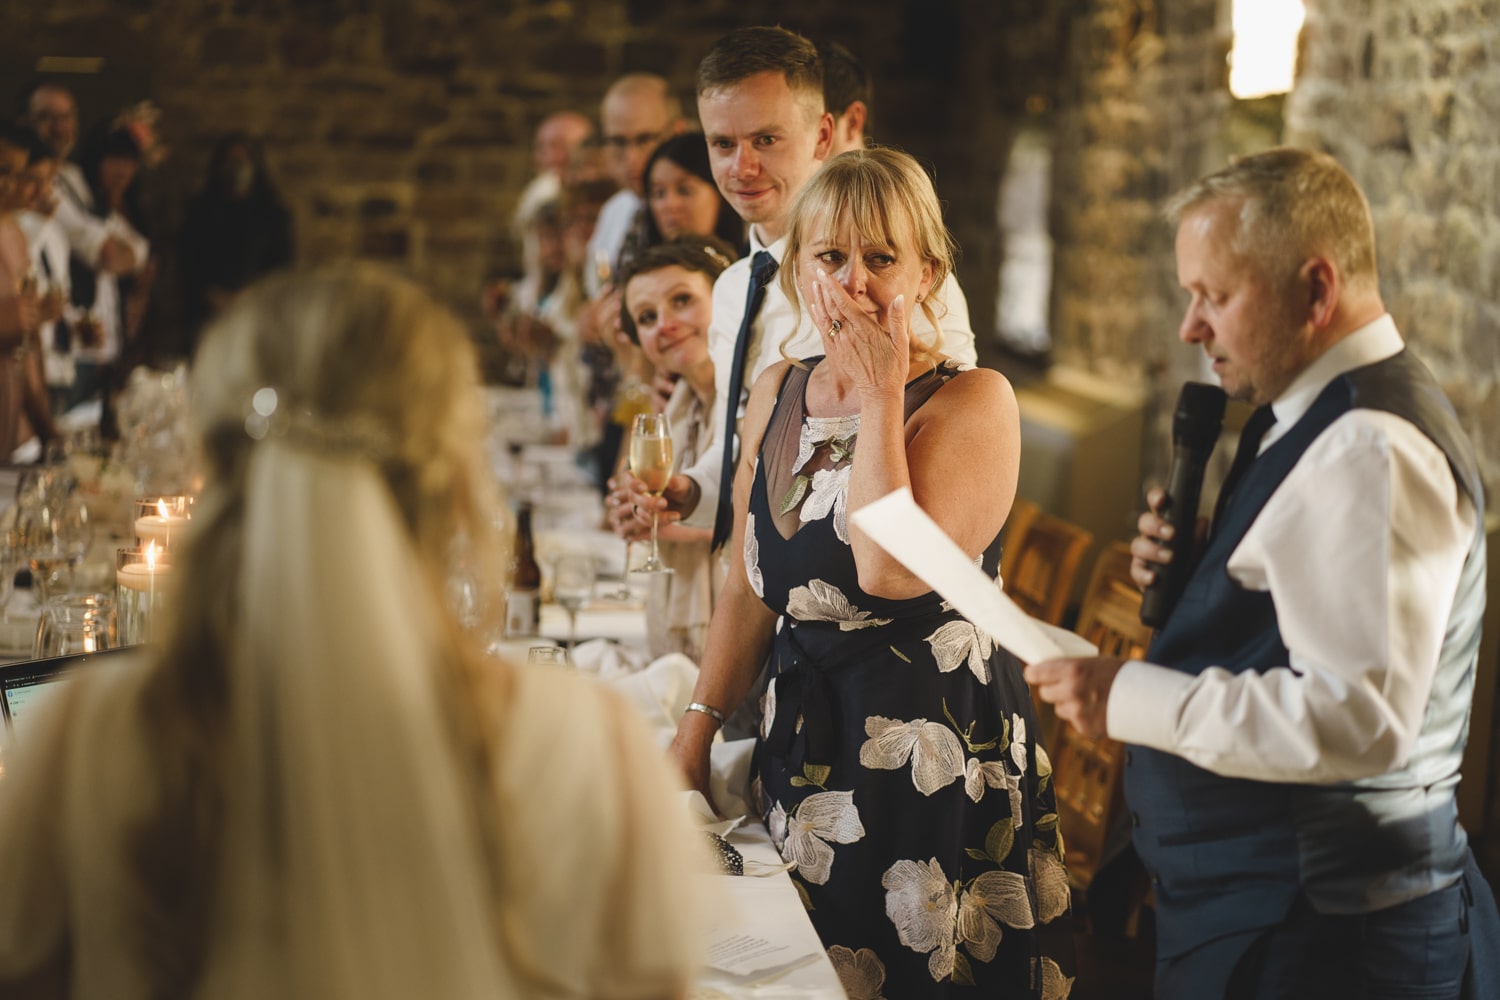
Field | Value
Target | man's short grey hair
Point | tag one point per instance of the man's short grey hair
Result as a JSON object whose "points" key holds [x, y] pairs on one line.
{"points": [[1293, 204]]}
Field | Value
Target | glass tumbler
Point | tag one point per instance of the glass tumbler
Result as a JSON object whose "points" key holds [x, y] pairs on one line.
{"points": [[75, 623]]}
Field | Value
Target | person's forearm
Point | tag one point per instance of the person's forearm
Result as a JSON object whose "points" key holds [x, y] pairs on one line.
{"points": [[739, 636]]}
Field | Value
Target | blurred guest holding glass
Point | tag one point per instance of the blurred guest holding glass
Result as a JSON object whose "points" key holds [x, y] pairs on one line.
{"points": [[317, 786], [108, 306], [896, 765], [48, 244], [24, 408]]}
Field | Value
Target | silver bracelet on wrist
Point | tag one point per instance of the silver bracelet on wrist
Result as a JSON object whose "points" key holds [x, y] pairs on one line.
{"points": [[708, 710]]}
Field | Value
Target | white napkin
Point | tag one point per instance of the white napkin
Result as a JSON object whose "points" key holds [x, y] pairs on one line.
{"points": [[660, 692]]}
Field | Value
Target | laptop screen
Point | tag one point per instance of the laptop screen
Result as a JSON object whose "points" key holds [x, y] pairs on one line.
{"points": [[24, 682]]}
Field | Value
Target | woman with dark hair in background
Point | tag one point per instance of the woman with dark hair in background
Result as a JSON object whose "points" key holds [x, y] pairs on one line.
{"points": [[682, 198], [234, 230]]}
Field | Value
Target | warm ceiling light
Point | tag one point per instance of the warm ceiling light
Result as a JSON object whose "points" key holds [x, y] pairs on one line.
{"points": [[1264, 57]]}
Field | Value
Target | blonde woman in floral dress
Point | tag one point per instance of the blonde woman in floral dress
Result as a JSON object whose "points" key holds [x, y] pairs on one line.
{"points": [[896, 767]]}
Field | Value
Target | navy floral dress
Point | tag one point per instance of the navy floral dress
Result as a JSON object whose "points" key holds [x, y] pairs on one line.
{"points": [[896, 768]]}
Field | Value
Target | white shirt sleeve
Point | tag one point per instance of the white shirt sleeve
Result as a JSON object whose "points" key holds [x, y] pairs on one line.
{"points": [[729, 308], [955, 329], [85, 232], [1361, 548]]}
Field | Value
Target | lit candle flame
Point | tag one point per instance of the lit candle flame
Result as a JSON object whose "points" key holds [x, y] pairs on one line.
{"points": [[161, 508], [151, 556]]}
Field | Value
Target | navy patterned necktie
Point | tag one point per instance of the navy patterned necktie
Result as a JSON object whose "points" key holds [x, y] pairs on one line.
{"points": [[762, 270], [1250, 437]]}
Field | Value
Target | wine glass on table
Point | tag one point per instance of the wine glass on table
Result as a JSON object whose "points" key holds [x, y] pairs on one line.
{"points": [[43, 550], [651, 463], [621, 496], [76, 530], [10, 558], [572, 586]]}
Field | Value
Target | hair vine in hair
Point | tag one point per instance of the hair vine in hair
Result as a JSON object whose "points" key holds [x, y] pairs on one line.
{"points": [[266, 417], [717, 257]]}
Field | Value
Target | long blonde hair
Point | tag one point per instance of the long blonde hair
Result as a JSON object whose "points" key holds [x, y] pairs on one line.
{"points": [[316, 393]]}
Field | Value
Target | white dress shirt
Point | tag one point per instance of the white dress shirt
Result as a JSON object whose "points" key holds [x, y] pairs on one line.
{"points": [[783, 328], [610, 230], [1361, 548], [85, 230], [106, 309]]}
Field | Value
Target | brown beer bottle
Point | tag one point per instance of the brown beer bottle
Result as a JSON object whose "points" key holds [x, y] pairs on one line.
{"points": [[523, 602]]}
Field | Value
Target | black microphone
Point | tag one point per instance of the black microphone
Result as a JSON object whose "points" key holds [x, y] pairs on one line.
{"points": [[1195, 431]]}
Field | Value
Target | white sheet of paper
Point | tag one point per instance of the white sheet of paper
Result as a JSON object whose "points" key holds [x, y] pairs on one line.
{"points": [[904, 530]]}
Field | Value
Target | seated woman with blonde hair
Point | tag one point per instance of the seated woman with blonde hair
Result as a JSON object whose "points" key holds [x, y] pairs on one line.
{"points": [[897, 767], [316, 786]]}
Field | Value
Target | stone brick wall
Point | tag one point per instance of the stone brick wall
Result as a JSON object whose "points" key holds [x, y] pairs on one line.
{"points": [[401, 129], [1142, 112], [1407, 96], [1404, 93]]}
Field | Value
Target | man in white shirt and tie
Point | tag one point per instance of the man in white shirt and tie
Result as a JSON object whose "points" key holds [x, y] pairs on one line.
{"points": [[1295, 731], [760, 102]]}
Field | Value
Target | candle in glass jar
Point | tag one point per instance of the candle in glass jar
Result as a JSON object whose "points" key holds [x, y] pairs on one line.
{"points": [[159, 527], [141, 576]]}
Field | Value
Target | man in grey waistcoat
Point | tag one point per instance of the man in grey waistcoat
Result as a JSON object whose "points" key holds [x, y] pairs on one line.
{"points": [[1295, 732]]}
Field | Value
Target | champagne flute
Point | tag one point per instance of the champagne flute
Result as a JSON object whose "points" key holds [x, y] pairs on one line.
{"points": [[651, 463], [572, 586]]}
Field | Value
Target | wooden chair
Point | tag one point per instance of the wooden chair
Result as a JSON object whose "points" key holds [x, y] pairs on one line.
{"points": [[1088, 774], [1040, 560]]}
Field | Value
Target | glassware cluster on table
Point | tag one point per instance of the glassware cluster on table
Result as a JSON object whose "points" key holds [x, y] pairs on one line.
{"points": [[561, 553], [62, 508]]}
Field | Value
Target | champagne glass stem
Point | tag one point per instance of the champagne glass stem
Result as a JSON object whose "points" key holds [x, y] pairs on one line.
{"points": [[655, 562]]}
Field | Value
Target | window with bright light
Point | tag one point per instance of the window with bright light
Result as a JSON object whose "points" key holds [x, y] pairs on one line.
{"points": [[1264, 58]]}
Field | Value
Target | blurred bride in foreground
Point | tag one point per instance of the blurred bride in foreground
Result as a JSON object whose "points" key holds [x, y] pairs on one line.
{"points": [[316, 787]]}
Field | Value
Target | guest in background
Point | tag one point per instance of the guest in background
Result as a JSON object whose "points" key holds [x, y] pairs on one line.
{"points": [[682, 198], [637, 113], [20, 307], [558, 138], [558, 135], [233, 231], [317, 785], [48, 244], [846, 95], [51, 110], [108, 306], [668, 292]]}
